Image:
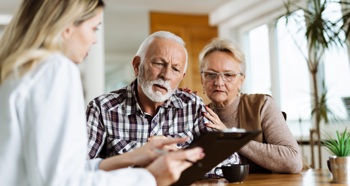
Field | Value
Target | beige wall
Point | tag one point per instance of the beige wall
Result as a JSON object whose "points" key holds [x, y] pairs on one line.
{"points": [[196, 32]]}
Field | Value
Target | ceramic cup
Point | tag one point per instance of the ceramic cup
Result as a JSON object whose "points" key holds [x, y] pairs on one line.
{"points": [[233, 173]]}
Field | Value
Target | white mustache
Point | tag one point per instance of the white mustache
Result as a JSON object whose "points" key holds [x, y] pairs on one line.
{"points": [[161, 82]]}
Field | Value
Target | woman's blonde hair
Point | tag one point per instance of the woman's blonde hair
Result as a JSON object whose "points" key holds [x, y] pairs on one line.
{"points": [[36, 29], [223, 45]]}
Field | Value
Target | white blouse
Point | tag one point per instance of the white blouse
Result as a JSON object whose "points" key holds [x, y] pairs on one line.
{"points": [[43, 137]]}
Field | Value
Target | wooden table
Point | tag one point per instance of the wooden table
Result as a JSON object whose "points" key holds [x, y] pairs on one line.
{"points": [[309, 177]]}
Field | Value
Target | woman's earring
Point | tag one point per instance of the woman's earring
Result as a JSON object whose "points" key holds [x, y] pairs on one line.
{"points": [[239, 93]]}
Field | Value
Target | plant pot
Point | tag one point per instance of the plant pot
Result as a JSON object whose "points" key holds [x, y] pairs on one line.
{"points": [[340, 169]]}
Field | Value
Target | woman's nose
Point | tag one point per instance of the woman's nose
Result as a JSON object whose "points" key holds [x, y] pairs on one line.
{"points": [[219, 80]]}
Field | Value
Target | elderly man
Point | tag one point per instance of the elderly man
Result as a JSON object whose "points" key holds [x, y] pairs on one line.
{"points": [[150, 106]]}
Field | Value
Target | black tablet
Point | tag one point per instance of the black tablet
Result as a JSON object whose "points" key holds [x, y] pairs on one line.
{"points": [[217, 146]]}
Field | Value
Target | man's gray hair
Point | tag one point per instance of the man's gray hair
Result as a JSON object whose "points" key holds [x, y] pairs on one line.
{"points": [[141, 52]]}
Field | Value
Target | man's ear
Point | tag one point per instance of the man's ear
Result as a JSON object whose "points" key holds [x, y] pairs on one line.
{"points": [[135, 64]]}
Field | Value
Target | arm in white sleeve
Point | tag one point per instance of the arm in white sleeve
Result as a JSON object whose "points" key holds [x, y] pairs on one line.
{"points": [[55, 133]]}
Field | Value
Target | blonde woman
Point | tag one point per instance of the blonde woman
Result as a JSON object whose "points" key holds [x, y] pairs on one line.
{"points": [[42, 119]]}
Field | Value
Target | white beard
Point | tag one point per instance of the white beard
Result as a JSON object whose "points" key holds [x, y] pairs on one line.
{"points": [[147, 88]]}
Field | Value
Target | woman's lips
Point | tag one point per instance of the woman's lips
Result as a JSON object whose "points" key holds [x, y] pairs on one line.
{"points": [[219, 91]]}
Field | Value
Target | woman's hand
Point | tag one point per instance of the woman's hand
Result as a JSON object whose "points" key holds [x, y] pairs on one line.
{"points": [[188, 90], [168, 168], [215, 120]]}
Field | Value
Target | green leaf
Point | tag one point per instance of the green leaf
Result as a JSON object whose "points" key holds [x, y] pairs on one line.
{"points": [[340, 146]]}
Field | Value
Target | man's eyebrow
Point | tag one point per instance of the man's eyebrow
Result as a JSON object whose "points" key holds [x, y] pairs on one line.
{"points": [[163, 60], [167, 63]]}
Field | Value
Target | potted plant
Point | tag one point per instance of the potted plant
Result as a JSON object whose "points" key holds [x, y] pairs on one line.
{"points": [[339, 164], [321, 33]]}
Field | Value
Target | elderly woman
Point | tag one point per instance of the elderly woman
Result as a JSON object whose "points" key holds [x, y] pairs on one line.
{"points": [[222, 69]]}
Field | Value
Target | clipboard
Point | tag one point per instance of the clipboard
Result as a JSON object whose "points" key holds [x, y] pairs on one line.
{"points": [[217, 146]]}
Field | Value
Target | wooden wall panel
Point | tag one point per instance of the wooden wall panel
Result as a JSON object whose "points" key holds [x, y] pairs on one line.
{"points": [[196, 32]]}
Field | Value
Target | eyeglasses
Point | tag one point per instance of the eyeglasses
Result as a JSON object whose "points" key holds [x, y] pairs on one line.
{"points": [[226, 76]]}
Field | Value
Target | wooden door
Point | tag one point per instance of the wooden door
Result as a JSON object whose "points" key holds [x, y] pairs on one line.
{"points": [[196, 32]]}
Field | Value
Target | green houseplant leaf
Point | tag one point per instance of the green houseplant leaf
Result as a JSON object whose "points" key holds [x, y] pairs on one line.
{"points": [[339, 146]]}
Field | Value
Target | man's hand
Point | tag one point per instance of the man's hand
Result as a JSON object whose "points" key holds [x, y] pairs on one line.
{"points": [[146, 154], [142, 156], [171, 147]]}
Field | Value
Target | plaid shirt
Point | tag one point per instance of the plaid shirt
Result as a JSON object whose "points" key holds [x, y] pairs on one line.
{"points": [[116, 124]]}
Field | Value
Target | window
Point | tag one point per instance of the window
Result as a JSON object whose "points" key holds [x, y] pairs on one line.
{"points": [[293, 72], [337, 72], [294, 77], [259, 63], [337, 79]]}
